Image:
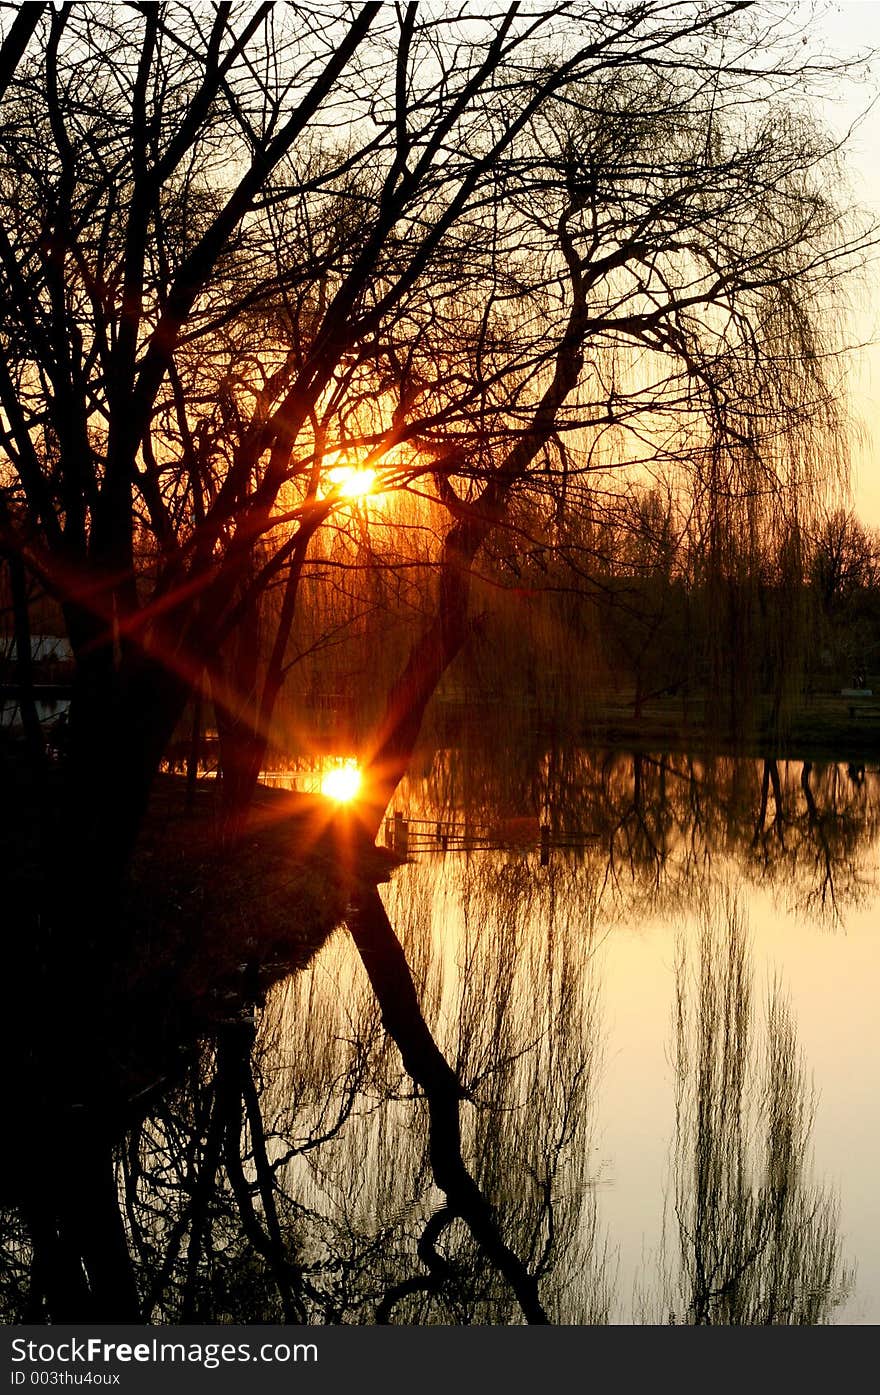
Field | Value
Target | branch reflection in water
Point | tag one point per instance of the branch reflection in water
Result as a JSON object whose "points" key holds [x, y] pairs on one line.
{"points": [[757, 1239], [342, 1220], [288, 1169], [656, 827]]}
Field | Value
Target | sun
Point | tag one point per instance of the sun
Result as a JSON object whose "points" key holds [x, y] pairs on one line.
{"points": [[342, 783], [351, 481]]}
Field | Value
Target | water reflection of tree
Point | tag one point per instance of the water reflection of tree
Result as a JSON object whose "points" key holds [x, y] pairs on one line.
{"points": [[518, 1014], [289, 1175], [515, 1012], [294, 1177], [653, 827], [757, 1239]]}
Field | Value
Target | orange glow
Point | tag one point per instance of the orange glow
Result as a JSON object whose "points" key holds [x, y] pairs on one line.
{"points": [[342, 783], [352, 482]]}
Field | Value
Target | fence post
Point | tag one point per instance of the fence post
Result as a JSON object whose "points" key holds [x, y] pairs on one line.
{"points": [[401, 834], [545, 844]]}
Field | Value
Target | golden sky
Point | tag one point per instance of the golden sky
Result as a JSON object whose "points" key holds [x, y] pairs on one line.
{"points": [[853, 28]]}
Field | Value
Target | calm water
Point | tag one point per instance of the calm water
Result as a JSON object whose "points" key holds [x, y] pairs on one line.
{"points": [[662, 1010], [668, 1032]]}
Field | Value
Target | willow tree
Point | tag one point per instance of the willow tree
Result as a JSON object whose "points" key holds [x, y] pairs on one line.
{"points": [[495, 258], [489, 255]]}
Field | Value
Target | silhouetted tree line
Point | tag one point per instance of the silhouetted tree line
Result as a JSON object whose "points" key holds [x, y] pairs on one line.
{"points": [[632, 611]]}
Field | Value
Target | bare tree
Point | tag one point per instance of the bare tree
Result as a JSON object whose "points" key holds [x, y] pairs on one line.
{"points": [[471, 273], [843, 560]]}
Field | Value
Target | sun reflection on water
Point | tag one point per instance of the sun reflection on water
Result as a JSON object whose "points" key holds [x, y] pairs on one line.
{"points": [[342, 783]]}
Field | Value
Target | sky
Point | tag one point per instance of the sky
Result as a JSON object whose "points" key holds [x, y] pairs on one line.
{"points": [[853, 28]]}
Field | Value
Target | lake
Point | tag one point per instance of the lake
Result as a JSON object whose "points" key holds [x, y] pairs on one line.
{"points": [[655, 977], [665, 1018]]}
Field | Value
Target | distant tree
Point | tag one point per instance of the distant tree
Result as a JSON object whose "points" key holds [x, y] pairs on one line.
{"points": [[645, 586], [844, 559]]}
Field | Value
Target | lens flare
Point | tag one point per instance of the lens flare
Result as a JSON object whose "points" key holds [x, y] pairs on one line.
{"points": [[342, 783], [351, 482]]}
